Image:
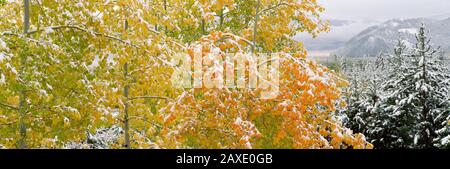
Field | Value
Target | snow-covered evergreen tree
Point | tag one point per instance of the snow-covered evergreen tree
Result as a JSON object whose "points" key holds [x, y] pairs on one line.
{"points": [[417, 98], [406, 104], [386, 130], [364, 95]]}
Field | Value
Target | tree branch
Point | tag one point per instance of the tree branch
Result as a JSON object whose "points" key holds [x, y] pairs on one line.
{"points": [[43, 43], [274, 7], [149, 97], [239, 38], [83, 30], [9, 106], [7, 124], [146, 120], [92, 33]]}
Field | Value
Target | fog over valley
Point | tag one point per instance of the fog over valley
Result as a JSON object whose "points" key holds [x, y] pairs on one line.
{"points": [[348, 18]]}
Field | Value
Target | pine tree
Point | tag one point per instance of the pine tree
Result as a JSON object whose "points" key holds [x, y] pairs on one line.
{"points": [[363, 96], [416, 100], [405, 102]]}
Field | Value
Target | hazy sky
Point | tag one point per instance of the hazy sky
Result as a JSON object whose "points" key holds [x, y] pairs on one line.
{"points": [[381, 10], [367, 13]]}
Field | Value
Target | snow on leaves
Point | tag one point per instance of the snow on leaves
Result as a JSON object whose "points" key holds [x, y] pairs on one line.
{"points": [[300, 117], [85, 65]]}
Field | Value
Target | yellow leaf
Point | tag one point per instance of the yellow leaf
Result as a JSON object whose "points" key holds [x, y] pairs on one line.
{"points": [[13, 100]]}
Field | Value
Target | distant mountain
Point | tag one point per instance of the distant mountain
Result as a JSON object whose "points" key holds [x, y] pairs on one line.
{"points": [[440, 16], [340, 22], [381, 38], [341, 31]]}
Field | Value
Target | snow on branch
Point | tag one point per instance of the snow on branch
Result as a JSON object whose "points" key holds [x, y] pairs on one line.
{"points": [[128, 43]]}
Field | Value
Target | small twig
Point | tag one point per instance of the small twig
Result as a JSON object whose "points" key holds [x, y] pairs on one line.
{"points": [[146, 120], [7, 124], [9, 106], [239, 38], [274, 7], [140, 69], [149, 97], [83, 30], [43, 43]]}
